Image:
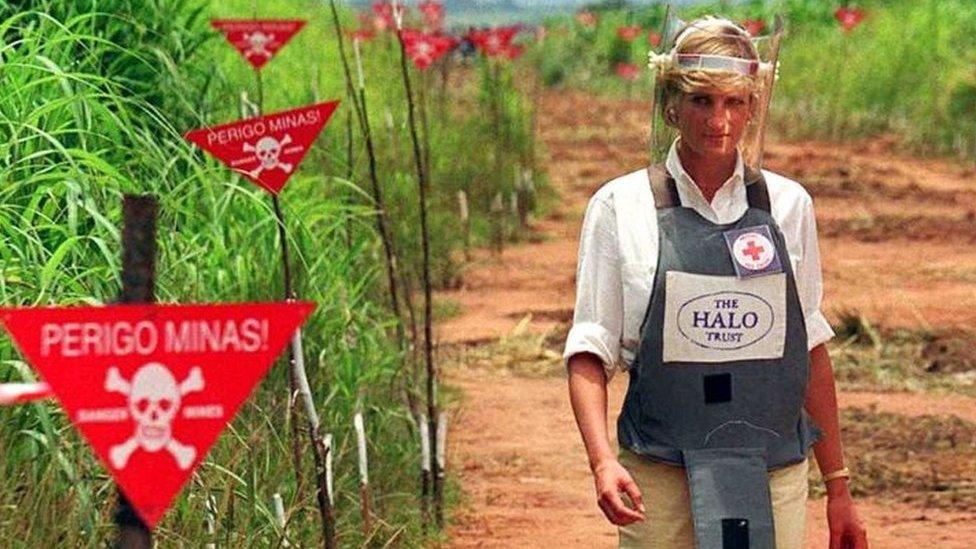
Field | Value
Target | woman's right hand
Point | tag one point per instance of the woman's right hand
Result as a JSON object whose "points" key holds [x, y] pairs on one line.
{"points": [[611, 479]]}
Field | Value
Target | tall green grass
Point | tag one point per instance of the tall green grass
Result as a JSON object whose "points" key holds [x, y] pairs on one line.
{"points": [[907, 70], [96, 97], [575, 55]]}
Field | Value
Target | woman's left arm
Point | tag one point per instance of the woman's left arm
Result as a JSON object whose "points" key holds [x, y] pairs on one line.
{"points": [[821, 404], [846, 528]]}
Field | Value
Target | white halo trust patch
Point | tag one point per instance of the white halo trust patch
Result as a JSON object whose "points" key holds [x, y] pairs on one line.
{"points": [[723, 318]]}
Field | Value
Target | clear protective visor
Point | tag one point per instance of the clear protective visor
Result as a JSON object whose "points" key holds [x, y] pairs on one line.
{"points": [[674, 33]]}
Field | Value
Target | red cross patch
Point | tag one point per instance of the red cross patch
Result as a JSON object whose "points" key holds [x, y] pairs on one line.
{"points": [[753, 251]]}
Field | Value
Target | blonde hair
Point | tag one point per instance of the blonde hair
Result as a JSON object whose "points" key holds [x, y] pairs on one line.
{"points": [[709, 36]]}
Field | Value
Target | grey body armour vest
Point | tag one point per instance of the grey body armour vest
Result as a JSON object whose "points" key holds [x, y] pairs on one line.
{"points": [[726, 422]]}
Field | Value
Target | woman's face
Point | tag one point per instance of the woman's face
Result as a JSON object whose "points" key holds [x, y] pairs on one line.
{"points": [[711, 121]]}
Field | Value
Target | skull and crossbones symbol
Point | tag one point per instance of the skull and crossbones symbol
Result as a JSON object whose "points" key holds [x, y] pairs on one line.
{"points": [[154, 399], [258, 42], [268, 152]]}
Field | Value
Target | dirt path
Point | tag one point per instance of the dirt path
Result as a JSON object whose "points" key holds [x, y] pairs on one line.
{"points": [[515, 445]]}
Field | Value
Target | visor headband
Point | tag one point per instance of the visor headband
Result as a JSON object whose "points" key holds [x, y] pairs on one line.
{"points": [[694, 61]]}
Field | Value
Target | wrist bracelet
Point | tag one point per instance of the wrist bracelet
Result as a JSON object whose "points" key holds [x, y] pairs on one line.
{"points": [[840, 473]]}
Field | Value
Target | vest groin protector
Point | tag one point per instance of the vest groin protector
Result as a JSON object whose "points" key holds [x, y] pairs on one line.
{"points": [[720, 376]]}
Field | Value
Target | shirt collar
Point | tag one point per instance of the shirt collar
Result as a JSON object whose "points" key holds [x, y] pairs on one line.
{"points": [[729, 202]]}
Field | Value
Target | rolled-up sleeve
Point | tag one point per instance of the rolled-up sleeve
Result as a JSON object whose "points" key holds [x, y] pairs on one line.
{"points": [[809, 280], [598, 315]]}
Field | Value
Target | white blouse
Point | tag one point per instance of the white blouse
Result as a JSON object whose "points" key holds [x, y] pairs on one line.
{"points": [[619, 246]]}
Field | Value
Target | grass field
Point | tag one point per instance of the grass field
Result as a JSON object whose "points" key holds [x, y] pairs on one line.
{"points": [[905, 70]]}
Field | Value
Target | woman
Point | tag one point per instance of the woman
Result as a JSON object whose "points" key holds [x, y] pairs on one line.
{"points": [[701, 277]]}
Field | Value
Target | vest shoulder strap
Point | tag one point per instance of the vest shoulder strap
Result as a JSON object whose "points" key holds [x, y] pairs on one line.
{"points": [[756, 192], [663, 187]]}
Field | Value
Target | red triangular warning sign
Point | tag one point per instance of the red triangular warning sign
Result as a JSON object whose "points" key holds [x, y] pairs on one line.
{"points": [[267, 149], [258, 40], [151, 387]]}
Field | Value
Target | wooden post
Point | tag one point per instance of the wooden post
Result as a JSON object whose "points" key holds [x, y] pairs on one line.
{"points": [[138, 286], [289, 293], [357, 94], [422, 183], [301, 394], [321, 448]]}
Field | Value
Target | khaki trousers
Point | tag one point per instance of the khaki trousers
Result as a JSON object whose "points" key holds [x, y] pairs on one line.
{"points": [[668, 523]]}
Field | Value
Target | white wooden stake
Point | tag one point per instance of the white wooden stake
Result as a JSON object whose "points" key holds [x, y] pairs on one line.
{"points": [[462, 198], [441, 442], [248, 108], [211, 520], [315, 83], [424, 444], [397, 15], [359, 64], [364, 499], [497, 204], [391, 127], [328, 468], [361, 447], [304, 391], [425, 477], [20, 393], [529, 180], [279, 509]]}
